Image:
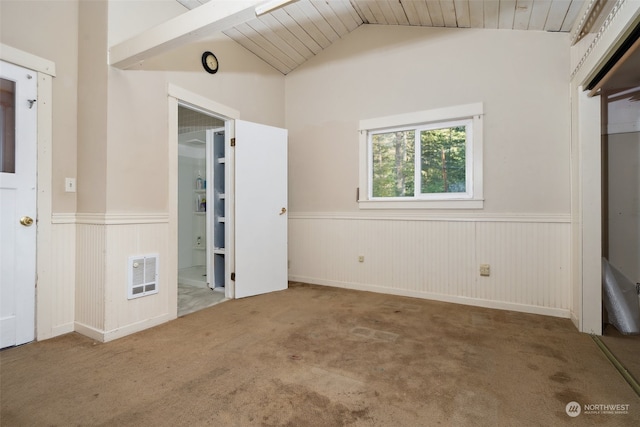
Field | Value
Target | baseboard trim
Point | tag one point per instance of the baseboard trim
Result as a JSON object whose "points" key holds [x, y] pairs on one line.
{"points": [[57, 331], [575, 320], [89, 331], [62, 329], [106, 336], [138, 326], [498, 305]]}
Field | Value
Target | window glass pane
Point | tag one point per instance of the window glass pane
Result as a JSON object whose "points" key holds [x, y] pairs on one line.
{"points": [[7, 126], [443, 163], [393, 164]]}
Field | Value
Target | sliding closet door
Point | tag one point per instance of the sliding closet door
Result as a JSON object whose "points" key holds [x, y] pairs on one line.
{"points": [[260, 209]]}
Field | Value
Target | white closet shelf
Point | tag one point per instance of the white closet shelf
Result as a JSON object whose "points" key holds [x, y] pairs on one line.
{"points": [[218, 251], [222, 196], [221, 219], [221, 160]]}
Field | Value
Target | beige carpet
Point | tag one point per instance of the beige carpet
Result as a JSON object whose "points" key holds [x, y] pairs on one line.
{"points": [[317, 356]]}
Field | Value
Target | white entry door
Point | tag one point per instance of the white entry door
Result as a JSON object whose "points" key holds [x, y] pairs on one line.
{"points": [[18, 147], [260, 209]]}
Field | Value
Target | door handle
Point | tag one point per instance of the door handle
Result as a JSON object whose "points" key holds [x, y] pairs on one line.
{"points": [[26, 221], [283, 211]]}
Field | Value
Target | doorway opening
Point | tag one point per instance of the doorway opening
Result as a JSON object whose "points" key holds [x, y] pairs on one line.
{"points": [[250, 207], [201, 210], [620, 94]]}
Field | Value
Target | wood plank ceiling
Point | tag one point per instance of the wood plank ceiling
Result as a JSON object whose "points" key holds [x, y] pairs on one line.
{"points": [[287, 37]]}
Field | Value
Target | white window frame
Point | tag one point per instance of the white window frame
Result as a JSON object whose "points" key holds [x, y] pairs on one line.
{"points": [[472, 198]]}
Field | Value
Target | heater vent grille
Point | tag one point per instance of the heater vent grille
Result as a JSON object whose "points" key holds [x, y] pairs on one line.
{"points": [[143, 275]]}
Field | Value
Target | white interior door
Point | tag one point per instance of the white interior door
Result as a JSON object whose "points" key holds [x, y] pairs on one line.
{"points": [[18, 146], [260, 209]]}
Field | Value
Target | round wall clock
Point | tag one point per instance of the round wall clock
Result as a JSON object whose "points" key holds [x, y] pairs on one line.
{"points": [[210, 62]]}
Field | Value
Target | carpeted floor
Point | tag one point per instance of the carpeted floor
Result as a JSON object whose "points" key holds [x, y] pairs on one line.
{"points": [[319, 356]]}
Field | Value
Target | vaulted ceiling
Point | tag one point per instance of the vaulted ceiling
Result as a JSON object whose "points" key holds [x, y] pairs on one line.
{"points": [[288, 36]]}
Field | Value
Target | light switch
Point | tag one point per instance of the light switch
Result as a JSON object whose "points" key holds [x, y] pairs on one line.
{"points": [[70, 185]]}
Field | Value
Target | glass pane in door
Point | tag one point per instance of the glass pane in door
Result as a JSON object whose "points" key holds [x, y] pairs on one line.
{"points": [[7, 126]]}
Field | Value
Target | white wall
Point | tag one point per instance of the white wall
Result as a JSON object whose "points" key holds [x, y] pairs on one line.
{"points": [[136, 157], [130, 17], [49, 29], [523, 231], [520, 76]]}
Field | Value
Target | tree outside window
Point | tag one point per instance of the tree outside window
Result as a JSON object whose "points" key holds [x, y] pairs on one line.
{"points": [[442, 162], [393, 161], [429, 159]]}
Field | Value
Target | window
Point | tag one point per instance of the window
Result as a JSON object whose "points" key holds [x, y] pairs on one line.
{"points": [[7, 126], [428, 159]]}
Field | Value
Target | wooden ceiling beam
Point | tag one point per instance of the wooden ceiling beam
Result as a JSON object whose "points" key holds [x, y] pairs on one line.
{"points": [[212, 17]]}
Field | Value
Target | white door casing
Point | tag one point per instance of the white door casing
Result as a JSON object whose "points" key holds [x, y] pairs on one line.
{"points": [[18, 200], [260, 209]]}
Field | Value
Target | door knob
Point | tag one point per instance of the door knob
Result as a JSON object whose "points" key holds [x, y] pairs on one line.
{"points": [[283, 211], [26, 221]]}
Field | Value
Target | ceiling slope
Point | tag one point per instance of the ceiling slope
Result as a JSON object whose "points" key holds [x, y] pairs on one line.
{"points": [[287, 37]]}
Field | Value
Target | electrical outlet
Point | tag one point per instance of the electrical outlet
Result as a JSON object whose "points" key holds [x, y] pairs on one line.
{"points": [[485, 270], [361, 258]]}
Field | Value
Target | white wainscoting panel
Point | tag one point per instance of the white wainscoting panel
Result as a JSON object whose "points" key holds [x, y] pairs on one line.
{"points": [[104, 243], [63, 262], [439, 258], [87, 278], [56, 278], [124, 316], [90, 279], [530, 263], [92, 262]]}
